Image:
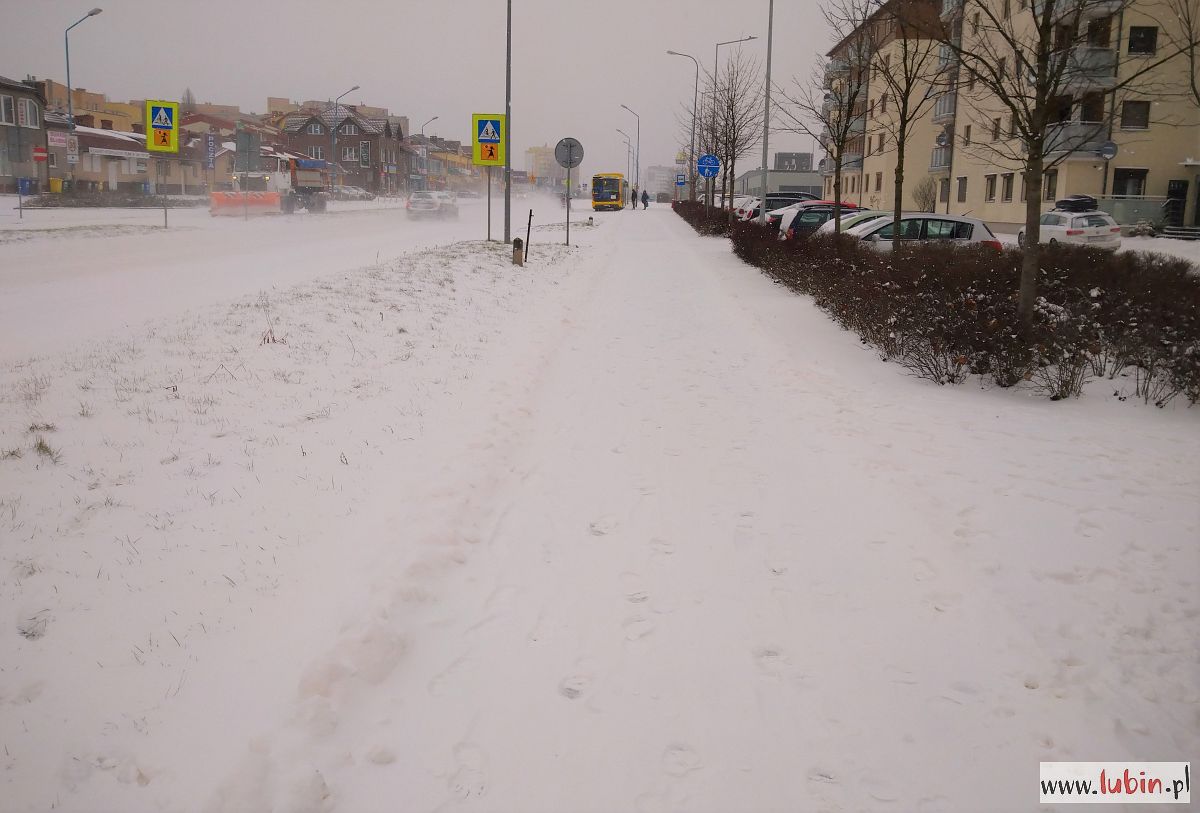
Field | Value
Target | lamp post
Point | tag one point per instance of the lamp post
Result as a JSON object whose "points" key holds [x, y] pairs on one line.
{"points": [[333, 131], [762, 209], [70, 99], [431, 121], [508, 128], [716, 51], [695, 103], [628, 150], [637, 153]]}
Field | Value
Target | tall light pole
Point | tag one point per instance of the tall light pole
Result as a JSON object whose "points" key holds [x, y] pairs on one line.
{"points": [[431, 121], [695, 102], [628, 150], [762, 209], [712, 183], [637, 153], [333, 131], [70, 95], [508, 130]]}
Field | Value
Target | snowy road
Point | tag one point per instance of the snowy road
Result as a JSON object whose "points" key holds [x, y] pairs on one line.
{"points": [[639, 531]]}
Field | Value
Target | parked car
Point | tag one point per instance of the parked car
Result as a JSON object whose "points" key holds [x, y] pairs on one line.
{"points": [[352, 193], [775, 200], [815, 213], [431, 204], [469, 193], [1097, 229], [855, 218], [920, 227]]}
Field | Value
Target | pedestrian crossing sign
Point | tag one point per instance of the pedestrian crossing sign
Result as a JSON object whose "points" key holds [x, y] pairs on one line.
{"points": [[488, 147], [162, 126]]}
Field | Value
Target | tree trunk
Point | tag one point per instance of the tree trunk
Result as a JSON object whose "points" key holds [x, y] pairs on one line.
{"points": [[1031, 259], [898, 199], [837, 196]]}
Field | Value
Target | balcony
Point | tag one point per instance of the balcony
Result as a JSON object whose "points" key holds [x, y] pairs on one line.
{"points": [[836, 66], [1087, 67], [950, 8], [939, 159], [858, 125], [851, 162], [1086, 9], [947, 61], [1076, 136], [943, 108]]}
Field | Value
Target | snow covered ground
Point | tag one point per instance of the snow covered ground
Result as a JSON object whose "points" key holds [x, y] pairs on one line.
{"points": [[349, 516]]}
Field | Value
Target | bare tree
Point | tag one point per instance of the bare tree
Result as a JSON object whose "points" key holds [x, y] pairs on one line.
{"points": [[187, 103], [829, 106], [924, 195], [904, 61], [738, 116], [1034, 62]]}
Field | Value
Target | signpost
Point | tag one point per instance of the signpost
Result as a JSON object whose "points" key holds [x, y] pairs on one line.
{"points": [[569, 154], [72, 149], [707, 166], [487, 149], [162, 136]]}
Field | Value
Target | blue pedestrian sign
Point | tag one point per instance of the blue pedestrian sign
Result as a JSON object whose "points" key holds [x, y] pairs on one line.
{"points": [[708, 166], [489, 131]]}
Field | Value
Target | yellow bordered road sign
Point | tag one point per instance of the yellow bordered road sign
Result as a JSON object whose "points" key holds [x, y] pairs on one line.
{"points": [[488, 139], [162, 126]]}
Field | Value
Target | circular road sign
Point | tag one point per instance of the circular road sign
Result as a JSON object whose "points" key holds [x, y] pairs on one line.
{"points": [[1108, 150], [708, 166], [569, 153]]}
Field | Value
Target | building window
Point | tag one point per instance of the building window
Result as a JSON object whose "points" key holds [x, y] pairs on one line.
{"points": [[1135, 115], [853, 183], [1024, 189], [880, 149], [1091, 107], [317, 153], [869, 143], [51, 160], [989, 188], [944, 190], [878, 181], [1099, 32], [349, 153], [1129, 182], [967, 136], [975, 23], [1012, 126], [7, 111], [1143, 39], [364, 153], [27, 114], [1007, 12], [962, 189], [349, 129], [1050, 185], [995, 129], [971, 82], [883, 103], [1006, 189]]}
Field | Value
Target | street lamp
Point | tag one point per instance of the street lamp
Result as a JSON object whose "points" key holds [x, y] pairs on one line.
{"points": [[333, 132], [70, 100], [716, 51], [762, 209], [628, 149], [695, 103], [637, 154], [431, 121]]}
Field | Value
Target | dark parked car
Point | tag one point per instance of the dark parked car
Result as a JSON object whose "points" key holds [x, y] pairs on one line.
{"points": [[775, 200]]}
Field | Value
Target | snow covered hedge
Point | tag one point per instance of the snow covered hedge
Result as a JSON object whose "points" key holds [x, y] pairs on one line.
{"points": [[947, 313], [701, 219]]}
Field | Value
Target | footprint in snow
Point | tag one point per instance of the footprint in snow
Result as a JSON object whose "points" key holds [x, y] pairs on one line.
{"points": [[603, 526], [680, 760], [637, 627], [573, 686]]}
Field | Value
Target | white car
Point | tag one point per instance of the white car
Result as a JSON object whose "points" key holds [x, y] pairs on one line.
{"points": [[919, 227], [1096, 229], [852, 219]]}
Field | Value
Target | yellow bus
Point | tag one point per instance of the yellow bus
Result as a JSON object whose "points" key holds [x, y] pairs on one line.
{"points": [[609, 191]]}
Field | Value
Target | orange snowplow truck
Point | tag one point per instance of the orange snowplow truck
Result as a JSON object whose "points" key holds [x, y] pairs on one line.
{"points": [[297, 183]]}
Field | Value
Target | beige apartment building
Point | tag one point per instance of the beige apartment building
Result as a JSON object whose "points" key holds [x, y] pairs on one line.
{"points": [[1116, 93]]}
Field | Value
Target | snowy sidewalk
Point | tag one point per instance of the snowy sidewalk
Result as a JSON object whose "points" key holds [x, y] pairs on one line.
{"points": [[636, 530], [728, 561]]}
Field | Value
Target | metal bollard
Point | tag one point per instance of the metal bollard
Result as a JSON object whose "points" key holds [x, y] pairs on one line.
{"points": [[518, 251]]}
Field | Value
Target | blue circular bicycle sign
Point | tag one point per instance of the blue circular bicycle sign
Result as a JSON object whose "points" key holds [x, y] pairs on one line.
{"points": [[708, 166]]}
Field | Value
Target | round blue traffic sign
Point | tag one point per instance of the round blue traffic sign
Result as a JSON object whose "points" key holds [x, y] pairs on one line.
{"points": [[708, 166]]}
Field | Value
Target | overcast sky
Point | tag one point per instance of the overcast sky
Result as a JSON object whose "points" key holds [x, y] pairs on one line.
{"points": [[574, 61]]}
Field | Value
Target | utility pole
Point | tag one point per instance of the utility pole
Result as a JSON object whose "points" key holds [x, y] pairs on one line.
{"points": [[712, 182], [70, 94], [508, 132], [695, 104], [762, 209]]}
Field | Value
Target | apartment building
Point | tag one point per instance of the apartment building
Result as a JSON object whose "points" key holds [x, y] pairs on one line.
{"points": [[1120, 91]]}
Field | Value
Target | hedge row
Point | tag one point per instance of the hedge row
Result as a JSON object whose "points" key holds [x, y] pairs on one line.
{"points": [[703, 219], [946, 313]]}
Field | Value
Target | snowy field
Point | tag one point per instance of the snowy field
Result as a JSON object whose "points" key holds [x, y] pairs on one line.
{"points": [[350, 514]]}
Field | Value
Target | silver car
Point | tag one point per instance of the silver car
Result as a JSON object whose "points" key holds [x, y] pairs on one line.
{"points": [[1096, 229], [921, 227]]}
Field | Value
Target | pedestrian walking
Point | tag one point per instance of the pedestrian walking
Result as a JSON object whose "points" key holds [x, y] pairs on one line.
{"points": [[633, 198], [645, 199]]}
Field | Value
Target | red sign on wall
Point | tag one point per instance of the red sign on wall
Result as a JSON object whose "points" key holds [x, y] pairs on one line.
{"points": [[39, 153]]}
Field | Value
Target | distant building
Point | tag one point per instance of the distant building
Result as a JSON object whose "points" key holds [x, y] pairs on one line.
{"points": [[778, 180], [794, 161], [543, 168], [660, 179], [91, 109], [22, 110]]}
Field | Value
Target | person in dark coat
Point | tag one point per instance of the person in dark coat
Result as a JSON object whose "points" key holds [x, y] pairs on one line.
{"points": [[645, 199]]}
